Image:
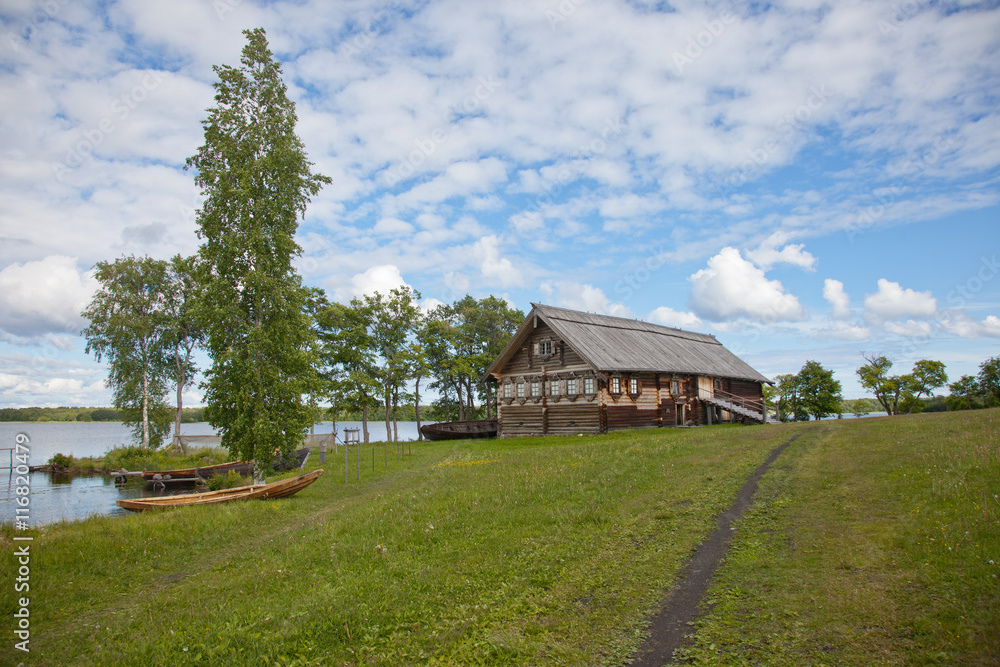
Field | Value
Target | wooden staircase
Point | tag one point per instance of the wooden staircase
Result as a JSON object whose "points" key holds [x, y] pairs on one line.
{"points": [[742, 406]]}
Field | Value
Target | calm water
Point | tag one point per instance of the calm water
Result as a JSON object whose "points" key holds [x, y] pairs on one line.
{"points": [[57, 497]]}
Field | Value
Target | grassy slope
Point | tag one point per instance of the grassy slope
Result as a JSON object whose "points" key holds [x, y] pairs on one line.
{"points": [[548, 551], [877, 543], [531, 551]]}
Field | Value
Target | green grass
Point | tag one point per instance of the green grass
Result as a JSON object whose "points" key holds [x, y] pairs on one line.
{"points": [[550, 551], [876, 542]]}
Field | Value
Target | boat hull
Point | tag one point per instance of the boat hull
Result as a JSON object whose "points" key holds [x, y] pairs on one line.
{"points": [[279, 489], [481, 428]]}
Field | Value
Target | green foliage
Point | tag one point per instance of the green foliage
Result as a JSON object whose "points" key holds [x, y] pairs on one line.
{"points": [[130, 328], [811, 392], [818, 393], [230, 480], [965, 394], [988, 381], [901, 393], [62, 461], [256, 180]]}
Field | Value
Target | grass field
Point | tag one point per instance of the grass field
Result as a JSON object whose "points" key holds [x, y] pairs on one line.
{"points": [[873, 541]]}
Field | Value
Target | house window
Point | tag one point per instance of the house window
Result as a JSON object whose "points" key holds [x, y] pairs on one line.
{"points": [[571, 387], [520, 390], [588, 385], [675, 387], [545, 348], [718, 384], [616, 385], [553, 387], [506, 390], [534, 389], [633, 386]]}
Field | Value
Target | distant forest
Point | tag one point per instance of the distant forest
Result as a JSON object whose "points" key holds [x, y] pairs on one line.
{"points": [[192, 415]]}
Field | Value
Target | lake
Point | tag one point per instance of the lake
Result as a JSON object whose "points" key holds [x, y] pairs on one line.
{"points": [[57, 497]]}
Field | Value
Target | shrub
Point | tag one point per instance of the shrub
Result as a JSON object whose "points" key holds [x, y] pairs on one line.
{"points": [[230, 480], [61, 461]]}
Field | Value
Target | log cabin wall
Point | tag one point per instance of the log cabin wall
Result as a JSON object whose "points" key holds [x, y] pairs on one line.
{"points": [[548, 389]]}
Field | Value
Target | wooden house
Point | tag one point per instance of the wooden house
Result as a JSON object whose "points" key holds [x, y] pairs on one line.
{"points": [[568, 372]]}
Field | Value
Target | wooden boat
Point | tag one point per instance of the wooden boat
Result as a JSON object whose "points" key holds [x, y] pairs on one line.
{"points": [[244, 468], [480, 428], [280, 489]]}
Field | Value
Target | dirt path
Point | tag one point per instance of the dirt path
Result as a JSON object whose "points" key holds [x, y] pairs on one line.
{"points": [[679, 609]]}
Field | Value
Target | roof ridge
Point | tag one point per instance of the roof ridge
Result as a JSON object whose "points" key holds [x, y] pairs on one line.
{"points": [[665, 328]]}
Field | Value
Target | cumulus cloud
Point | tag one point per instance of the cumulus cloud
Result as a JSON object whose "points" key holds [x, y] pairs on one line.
{"points": [[581, 296], [893, 302], [672, 318], [731, 287], [382, 279], [833, 291], [961, 325], [44, 296], [493, 266]]}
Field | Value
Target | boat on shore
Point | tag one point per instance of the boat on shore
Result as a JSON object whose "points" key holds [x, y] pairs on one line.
{"points": [[479, 428], [280, 489], [244, 468]]}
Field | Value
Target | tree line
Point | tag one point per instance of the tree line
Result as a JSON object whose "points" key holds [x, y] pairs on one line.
{"points": [[814, 393]]}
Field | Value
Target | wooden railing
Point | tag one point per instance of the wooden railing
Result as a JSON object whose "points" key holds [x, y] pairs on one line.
{"points": [[734, 399]]}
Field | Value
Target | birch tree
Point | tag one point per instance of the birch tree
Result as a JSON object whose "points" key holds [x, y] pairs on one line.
{"points": [[256, 180], [129, 327]]}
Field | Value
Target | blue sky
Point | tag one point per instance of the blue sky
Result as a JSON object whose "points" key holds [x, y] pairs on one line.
{"points": [[805, 180]]}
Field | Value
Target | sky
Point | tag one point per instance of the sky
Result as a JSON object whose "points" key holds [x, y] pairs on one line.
{"points": [[804, 180]]}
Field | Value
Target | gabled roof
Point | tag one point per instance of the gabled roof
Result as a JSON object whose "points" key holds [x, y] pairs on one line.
{"points": [[612, 344]]}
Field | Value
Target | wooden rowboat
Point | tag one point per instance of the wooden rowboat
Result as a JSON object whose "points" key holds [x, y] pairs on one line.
{"points": [[480, 428], [280, 489]]}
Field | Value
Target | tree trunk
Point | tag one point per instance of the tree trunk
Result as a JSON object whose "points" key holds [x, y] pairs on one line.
{"points": [[145, 407], [364, 421], [416, 407], [181, 381]]}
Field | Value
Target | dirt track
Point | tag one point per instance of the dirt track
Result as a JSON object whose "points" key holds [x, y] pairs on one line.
{"points": [[679, 609]]}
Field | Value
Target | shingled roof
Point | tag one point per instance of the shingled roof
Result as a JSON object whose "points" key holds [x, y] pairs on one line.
{"points": [[612, 344]]}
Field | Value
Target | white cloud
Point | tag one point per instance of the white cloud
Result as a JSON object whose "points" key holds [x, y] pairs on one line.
{"points": [[963, 326], [580, 296], [768, 254], [494, 267], [892, 302], [669, 317], [382, 279], [45, 296], [833, 291], [910, 328], [732, 287]]}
